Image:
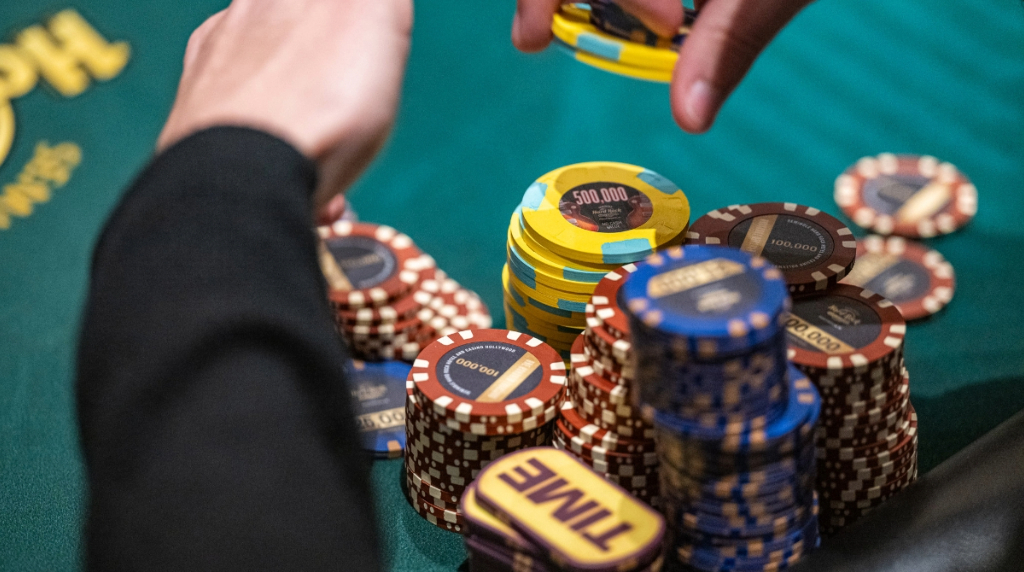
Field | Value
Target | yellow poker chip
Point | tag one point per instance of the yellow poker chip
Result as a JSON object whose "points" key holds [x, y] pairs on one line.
{"points": [[600, 63], [540, 257], [575, 303], [604, 212], [572, 26], [540, 311], [525, 488]]}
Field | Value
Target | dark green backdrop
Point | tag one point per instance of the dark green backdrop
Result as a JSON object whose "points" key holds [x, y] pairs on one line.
{"points": [[478, 122]]}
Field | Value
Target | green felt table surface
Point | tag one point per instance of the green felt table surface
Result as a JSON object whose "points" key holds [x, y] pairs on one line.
{"points": [[478, 122]]}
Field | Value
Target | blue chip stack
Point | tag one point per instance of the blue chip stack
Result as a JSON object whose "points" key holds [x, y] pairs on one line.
{"points": [[734, 421]]}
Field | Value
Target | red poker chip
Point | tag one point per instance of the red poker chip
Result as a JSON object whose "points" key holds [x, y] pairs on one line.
{"points": [[881, 451], [619, 349], [606, 302], [846, 329], [571, 439], [813, 249], [609, 467], [459, 308], [489, 379], [836, 417], [606, 367], [916, 196], [914, 277], [444, 519], [609, 440], [368, 265], [409, 306]]}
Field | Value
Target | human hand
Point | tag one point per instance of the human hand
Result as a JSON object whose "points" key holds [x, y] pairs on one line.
{"points": [[323, 76], [722, 45]]}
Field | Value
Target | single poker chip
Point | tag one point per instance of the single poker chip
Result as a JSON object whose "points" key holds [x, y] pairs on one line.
{"points": [[605, 302], [915, 278], [489, 379], [916, 196], [379, 392], [813, 249], [573, 26], [641, 528], [603, 212], [718, 300], [847, 328], [368, 265]]}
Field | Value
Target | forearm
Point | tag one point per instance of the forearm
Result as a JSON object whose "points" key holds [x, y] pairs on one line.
{"points": [[214, 414]]}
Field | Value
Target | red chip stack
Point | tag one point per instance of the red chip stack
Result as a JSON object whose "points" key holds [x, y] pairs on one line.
{"points": [[598, 422], [472, 397], [390, 299], [849, 342]]}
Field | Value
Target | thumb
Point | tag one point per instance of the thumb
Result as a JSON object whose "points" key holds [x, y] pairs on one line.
{"points": [[722, 46]]}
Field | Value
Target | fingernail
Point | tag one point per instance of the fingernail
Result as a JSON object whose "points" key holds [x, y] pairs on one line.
{"points": [[700, 103]]}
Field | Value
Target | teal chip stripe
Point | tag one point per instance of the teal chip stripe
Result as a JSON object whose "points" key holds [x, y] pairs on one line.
{"points": [[599, 46], [625, 251], [658, 182]]}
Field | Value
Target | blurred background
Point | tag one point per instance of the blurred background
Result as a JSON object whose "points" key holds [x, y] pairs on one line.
{"points": [[478, 123]]}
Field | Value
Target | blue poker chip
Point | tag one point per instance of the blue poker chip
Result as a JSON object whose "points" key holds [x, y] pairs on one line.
{"points": [[378, 390], [712, 301], [802, 411], [739, 487], [806, 537]]}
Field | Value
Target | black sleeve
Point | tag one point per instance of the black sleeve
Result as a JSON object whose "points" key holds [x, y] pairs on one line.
{"points": [[214, 416]]}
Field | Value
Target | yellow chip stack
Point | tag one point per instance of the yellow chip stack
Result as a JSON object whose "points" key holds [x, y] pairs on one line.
{"points": [[574, 225]]}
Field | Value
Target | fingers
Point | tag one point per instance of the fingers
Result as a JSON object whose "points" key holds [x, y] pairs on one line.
{"points": [[663, 17], [722, 46], [198, 38], [531, 26]]}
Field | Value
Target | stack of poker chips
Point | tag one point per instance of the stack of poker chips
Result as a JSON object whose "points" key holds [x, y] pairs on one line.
{"points": [[390, 300], [472, 397], [850, 343], [734, 421], [598, 423], [541, 509], [574, 225], [604, 36], [378, 392]]}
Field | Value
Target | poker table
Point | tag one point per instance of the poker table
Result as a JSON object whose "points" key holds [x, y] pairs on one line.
{"points": [[478, 122]]}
